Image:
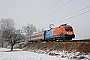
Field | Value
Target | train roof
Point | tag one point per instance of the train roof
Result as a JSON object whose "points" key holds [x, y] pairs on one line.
{"points": [[64, 24], [37, 32]]}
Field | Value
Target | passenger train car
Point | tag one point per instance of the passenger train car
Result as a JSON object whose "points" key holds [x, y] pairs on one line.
{"points": [[36, 37], [63, 32]]}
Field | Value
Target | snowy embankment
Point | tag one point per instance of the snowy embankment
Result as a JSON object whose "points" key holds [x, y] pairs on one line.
{"points": [[65, 54], [6, 54], [68, 50], [19, 54]]}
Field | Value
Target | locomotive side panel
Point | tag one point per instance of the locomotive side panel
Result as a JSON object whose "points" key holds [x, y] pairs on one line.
{"points": [[48, 34], [64, 32]]}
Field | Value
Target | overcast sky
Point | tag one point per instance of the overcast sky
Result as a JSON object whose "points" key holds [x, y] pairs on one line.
{"points": [[44, 12]]}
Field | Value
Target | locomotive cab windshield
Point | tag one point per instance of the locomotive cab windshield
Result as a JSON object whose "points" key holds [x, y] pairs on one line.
{"points": [[69, 28]]}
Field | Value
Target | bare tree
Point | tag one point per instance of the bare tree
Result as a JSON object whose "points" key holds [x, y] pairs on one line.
{"points": [[7, 24], [8, 32], [20, 35], [7, 27], [29, 29]]}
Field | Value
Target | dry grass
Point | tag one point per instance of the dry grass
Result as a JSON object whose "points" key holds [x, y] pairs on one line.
{"points": [[60, 46]]}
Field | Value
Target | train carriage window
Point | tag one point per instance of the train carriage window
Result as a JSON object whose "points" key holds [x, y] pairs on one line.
{"points": [[37, 35]]}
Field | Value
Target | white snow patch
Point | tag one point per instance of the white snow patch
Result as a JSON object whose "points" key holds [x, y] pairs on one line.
{"points": [[65, 54], [25, 55]]}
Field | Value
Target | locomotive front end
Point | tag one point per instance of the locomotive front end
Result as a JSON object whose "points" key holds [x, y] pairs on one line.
{"points": [[69, 32]]}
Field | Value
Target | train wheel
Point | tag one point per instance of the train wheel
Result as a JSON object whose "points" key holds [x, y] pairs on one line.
{"points": [[68, 39]]}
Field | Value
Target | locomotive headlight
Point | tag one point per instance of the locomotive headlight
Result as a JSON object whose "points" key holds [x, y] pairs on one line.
{"points": [[69, 33]]}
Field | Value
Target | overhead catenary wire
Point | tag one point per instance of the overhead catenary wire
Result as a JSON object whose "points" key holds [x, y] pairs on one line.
{"points": [[68, 16], [56, 10], [48, 9], [72, 14]]}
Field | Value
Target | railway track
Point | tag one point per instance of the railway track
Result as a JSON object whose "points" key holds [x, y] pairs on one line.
{"points": [[81, 40], [84, 40]]}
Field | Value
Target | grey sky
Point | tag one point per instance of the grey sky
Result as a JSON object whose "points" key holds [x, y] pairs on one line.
{"points": [[29, 11]]}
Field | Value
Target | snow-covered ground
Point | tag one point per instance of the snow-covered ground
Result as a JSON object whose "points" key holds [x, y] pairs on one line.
{"points": [[65, 54], [19, 54]]}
